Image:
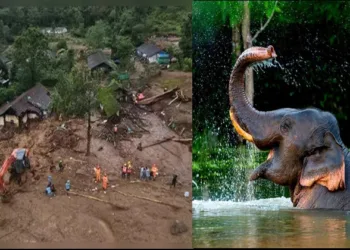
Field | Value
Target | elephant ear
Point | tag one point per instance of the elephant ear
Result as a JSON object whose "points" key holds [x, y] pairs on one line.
{"points": [[325, 166]]}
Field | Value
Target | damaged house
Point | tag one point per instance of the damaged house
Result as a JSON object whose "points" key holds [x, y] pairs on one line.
{"points": [[32, 104], [99, 60]]}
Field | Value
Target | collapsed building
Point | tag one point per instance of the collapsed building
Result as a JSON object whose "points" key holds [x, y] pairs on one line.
{"points": [[32, 104]]}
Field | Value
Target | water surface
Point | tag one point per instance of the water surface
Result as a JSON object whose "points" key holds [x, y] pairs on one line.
{"points": [[269, 222]]}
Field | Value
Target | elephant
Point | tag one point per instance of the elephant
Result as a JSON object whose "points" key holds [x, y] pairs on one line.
{"points": [[306, 152]]}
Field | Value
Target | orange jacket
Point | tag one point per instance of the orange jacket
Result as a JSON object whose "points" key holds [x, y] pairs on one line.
{"points": [[154, 169], [104, 181], [98, 171]]}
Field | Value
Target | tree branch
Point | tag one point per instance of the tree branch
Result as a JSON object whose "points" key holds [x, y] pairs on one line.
{"points": [[265, 25]]}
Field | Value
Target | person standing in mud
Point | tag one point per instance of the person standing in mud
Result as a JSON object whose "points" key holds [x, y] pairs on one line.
{"points": [[154, 171], [141, 173], [144, 173], [124, 169], [49, 181], [129, 170], [67, 187], [98, 173], [148, 174], [60, 166], [104, 182]]}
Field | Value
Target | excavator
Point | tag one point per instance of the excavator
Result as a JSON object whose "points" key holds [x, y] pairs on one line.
{"points": [[14, 166]]}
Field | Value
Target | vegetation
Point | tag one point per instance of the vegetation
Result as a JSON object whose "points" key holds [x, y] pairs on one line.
{"points": [[42, 57], [76, 95], [58, 60]]}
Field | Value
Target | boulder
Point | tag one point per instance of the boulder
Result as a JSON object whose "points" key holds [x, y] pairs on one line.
{"points": [[178, 228]]}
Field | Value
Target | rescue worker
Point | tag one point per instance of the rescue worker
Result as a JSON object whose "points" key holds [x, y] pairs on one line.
{"points": [[148, 174], [60, 165], [48, 191], [67, 186], [129, 170], [141, 171], [154, 171], [124, 170], [49, 180], [104, 181], [98, 173], [144, 174]]}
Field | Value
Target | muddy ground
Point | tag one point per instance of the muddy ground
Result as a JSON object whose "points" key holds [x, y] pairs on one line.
{"points": [[31, 216]]}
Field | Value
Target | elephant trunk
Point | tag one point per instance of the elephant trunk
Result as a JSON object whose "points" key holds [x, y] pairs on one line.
{"points": [[255, 126]]}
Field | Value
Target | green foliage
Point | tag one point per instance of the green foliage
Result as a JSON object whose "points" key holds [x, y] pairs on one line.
{"points": [[124, 47], [31, 55], [186, 37], [187, 65], [62, 44], [108, 101], [97, 35], [76, 93]]}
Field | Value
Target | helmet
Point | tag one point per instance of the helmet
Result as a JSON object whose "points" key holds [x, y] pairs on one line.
{"points": [[129, 162], [125, 164], [68, 181]]}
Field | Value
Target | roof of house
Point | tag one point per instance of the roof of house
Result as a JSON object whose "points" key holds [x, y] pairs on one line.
{"points": [[30, 100], [149, 49], [97, 59]]}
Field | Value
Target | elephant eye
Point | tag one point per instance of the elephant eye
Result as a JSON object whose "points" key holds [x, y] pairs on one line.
{"points": [[316, 151]]}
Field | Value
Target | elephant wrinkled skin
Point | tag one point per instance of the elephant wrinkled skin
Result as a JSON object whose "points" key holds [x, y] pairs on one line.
{"points": [[306, 151]]}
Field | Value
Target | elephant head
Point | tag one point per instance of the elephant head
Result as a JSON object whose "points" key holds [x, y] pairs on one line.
{"points": [[305, 145]]}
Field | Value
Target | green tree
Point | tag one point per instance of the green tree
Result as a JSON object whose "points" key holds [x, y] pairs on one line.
{"points": [[31, 55], [186, 37], [239, 15], [97, 35], [76, 94], [124, 47]]}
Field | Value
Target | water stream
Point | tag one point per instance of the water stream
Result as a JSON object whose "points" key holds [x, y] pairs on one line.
{"points": [[271, 222], [234, 213]]}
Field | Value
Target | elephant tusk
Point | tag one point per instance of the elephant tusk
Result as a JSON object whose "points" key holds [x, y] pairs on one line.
{"points": [[238, 128], [270, 155]]}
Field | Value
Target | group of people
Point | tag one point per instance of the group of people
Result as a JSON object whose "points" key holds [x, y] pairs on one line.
{"points": [[147, 174], [51, 190], [98, 177], [126, 170]]}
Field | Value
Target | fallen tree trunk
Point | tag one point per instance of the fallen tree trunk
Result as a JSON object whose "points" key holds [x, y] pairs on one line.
{"points": [[140, 147], [97, 199], [148, 199], [183, 140], [156, 98]]}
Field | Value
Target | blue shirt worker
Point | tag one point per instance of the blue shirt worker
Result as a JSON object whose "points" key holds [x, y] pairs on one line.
{"points": [[48, 191], [67, 186], [49, 180]]}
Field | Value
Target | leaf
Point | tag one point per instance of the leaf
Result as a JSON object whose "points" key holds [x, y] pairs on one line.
{"points": [[278, 10]]}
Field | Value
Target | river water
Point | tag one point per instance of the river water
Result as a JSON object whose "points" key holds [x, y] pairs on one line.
{"points": [[271, 222]]}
